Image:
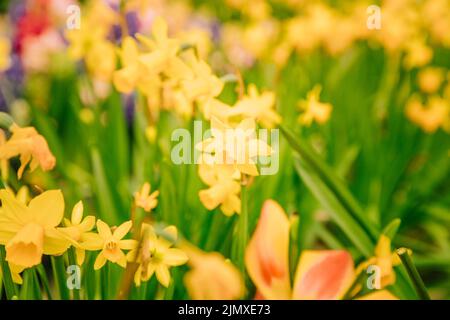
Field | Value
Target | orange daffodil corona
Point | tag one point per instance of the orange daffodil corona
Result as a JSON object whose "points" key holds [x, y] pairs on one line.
{"points": [[320, 274]]}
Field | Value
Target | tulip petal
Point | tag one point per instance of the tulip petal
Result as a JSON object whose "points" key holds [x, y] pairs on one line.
{"points": [[266, 257], [323, 275]]}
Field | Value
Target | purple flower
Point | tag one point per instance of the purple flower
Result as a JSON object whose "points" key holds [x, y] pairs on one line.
{"points": [[133, 24], [15, 74], [129, 105], [17, 10]]}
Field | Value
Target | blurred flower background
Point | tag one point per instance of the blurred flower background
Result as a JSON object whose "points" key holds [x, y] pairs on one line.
{"points": [[92, 91]]}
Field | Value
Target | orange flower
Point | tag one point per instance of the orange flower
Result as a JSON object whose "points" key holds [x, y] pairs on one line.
{"points": [[31, 146]]}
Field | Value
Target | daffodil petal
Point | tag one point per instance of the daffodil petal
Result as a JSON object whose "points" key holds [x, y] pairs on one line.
{"points": [[100, 261], [163, 275], [48, 208], [122, 230], [103, 230]]}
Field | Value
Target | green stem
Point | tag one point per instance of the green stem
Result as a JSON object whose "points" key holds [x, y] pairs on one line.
{"points": [[242, 230], [10, 287], [413, 274], [353, 288], [44, 280], [105, 281], [59, 273], [73, 261]]}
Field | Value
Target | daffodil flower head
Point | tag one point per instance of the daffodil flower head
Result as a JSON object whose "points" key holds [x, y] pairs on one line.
{"points": [[223, 188], [237, 146], [313, 109], [143, 199], [202, 85], [385, 260], [77, 228], [162, 57], [257, 106], [29, 231], [111, 244], [156, 255], [212, 276], [30, 146], [126, 79], [430, 79], [429, 117]]}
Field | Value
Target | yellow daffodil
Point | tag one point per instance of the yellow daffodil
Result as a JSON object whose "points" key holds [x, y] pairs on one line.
{"points": [[5, 54], [101, 60], [133, 73], [237, 147], [110, 243], [430, 79], [223, 188], [143, 199], [320, 274], [77, 228], [257, 106], [163, 52], [212, 277], [31, 146], [126, 79], [431, 116], [385, 259], [201, 85], [418, 54], [313, 109], [98, 18], [22, 196], [29, 231], [156, 255], [199, 38]]}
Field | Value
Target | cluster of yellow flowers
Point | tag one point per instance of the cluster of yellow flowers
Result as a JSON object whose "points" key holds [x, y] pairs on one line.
{"points": [[31, 228], [435, 112], [172, 76], [168, 76], [404, 27], [90, 42]]}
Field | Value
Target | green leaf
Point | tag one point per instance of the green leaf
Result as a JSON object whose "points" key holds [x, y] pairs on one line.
{"points": [[331, 182], [391, 229], [335, 208]]}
